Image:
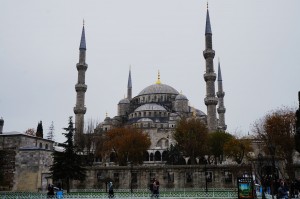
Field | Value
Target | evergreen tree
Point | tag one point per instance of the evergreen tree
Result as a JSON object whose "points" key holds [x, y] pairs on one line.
{"points": [[68, 165], [50, 135], [39, 130]]}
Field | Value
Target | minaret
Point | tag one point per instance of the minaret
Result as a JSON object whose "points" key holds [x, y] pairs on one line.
{"points": [[210, 76], [129, 86], [221, 108], [80, 87]]}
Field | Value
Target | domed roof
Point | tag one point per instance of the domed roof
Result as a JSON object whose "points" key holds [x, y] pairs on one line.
{"points": [[124, 101], [158, 89], [150, 107], [145, 120], [181, 97]]}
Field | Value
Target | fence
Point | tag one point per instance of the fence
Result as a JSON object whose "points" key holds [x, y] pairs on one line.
{"points": [[126, 194]]}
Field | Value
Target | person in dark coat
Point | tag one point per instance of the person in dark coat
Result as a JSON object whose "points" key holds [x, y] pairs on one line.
{"points": [[110, 190]]}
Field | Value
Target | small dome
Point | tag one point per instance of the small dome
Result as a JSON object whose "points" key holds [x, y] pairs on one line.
{"points": [[124, 101], [150, 107], [158, 89], [181, 97], [145, 120]]}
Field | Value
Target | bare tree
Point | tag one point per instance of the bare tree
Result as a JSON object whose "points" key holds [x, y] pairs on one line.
{"points": [[30, 131], [277, 130]]}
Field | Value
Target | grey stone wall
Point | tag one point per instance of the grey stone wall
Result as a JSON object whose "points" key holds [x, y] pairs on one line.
{"points": [[169, 176]]}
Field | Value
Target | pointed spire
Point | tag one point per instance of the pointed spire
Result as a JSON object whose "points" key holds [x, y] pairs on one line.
{"points": [[158, 78], [207, 27], [129, 85], [219, 72], [82, 41]]}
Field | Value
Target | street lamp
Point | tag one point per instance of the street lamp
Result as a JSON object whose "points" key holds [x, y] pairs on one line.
{"points": [[272, 149], [131, 189], [205, 172]]}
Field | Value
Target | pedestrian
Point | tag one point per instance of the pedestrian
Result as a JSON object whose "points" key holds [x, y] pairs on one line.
{"points": [[156, 188], [151, 187], [282, 191], [50, 193], [110, 190]]}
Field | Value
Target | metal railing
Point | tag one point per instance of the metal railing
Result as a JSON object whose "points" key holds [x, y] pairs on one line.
{"points": [[88, 194]]}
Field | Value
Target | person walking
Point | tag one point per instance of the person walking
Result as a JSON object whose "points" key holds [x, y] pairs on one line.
{"points": [[110, 190], [282, 191], [156, 188]]}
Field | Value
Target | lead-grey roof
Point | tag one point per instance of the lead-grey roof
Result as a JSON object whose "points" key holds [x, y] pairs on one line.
{"points": [[181, 97], [82, 41], [124, 101], [219, 72], [150, 107], [129, 85], [145, 120], [158, 89], [207, 26]]}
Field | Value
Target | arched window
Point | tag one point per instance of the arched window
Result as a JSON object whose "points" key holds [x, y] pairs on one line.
{"points": [[41, 145], [157, 156], [46, 146], [151, 157]]}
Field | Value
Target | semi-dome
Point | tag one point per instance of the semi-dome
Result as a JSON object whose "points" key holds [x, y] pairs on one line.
{"points": [[158, 89], [145, 120], [124, 101], [150, 107], [181, 97]]}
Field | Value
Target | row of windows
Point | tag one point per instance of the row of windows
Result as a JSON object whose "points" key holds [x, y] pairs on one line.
{"points": [[208, 177], [155, 98], [41, 146], [152, 125], [149, 114]]}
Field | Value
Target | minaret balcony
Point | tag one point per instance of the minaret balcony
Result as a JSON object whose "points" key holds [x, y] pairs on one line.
{"points": [[209, 53], [221, 110], [81, 66], [211, 101], [220, 94], [80, 87], [210, 77], [79, 110]]}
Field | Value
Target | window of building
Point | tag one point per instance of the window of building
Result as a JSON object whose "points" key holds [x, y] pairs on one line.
{"points": [[170, 177], [116, 177], [46, 146], [228, 177], [41, 145], [189, 177]]}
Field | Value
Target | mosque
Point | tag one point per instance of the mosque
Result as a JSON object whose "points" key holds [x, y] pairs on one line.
{"points": [[158, 107]]}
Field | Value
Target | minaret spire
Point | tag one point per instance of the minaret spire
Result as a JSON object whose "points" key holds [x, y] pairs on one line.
{"points": [[80, 88], [210, 77], [129, 85], [221, 108], [82, 40], [207, 26], [158, 78]]}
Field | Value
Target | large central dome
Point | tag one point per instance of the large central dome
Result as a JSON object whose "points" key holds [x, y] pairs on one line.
{"points": [[158, 89]]}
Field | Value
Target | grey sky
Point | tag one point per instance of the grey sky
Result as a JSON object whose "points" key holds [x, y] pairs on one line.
{"points": [[257, 42]]}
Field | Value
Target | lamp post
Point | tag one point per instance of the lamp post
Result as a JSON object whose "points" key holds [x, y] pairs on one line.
{"points": [[131, 190], [272, 149], [205, 172], [260, 162]]}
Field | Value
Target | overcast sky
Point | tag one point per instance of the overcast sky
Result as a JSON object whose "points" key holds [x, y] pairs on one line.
{"points": [[257, 42]]}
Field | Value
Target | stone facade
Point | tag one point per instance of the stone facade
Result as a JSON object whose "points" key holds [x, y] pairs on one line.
{"points": [[169, 176], [30, 160]]}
